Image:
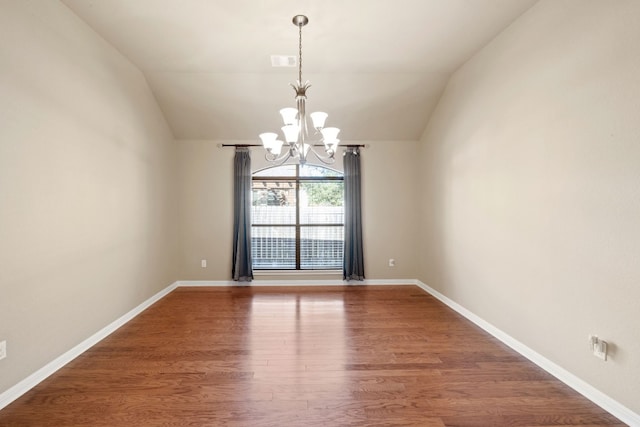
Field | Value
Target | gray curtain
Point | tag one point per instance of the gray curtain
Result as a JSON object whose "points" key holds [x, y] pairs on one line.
{"points": [[353, 264], [242, 269]]}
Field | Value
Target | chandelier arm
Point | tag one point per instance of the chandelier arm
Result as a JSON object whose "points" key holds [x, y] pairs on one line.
{"points": [[327, 160], [278, 161]]}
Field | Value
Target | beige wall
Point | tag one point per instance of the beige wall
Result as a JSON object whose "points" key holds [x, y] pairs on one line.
{"points": [[206, 210], [531, 180], [389, 210], [86, 186]]}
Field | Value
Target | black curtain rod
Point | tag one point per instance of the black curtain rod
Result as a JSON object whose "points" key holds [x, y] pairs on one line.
{"points": [[316, 145]]}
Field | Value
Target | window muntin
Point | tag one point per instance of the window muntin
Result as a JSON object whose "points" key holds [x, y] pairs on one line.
{"points": [[297, 218]]}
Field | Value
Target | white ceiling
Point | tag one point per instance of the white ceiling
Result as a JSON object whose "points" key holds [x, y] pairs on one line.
{"points": [[377, 67]]}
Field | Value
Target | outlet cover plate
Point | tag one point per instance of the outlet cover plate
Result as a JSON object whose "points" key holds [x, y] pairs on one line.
{"points": [[600, 351], [3, 349]]}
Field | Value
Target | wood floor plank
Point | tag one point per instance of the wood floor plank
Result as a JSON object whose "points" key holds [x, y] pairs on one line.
{"points": [[303, 356]]}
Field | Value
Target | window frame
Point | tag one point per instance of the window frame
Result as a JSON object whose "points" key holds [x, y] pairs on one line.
{"points": [[297, 180]]}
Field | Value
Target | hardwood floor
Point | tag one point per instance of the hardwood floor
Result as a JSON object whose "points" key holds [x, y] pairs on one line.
{"points": [[331, 356]]}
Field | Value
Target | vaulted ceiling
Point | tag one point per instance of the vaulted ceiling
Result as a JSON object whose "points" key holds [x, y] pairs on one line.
{"points": [[377, 67]]}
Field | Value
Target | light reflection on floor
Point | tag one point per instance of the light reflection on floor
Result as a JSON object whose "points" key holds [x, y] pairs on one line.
{"points": [[297, 335]]}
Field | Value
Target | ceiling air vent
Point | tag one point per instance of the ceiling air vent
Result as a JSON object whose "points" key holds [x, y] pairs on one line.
{"points": [[283, 61]]}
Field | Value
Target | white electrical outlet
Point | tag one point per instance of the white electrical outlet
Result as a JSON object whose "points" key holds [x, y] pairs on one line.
{"points": [[203, 263], [3, 349], [392, 262]]}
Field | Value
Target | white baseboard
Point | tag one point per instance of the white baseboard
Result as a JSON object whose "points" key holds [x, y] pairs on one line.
{"points": [[596, 396], [612, 406], [213, 283], [41, 374], [295, 282]]}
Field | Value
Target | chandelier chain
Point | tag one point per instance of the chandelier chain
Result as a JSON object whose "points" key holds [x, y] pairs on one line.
{"points": [[300, 53]]}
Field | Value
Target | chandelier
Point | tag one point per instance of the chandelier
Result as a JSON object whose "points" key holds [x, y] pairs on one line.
{"points": [[300, 138]]}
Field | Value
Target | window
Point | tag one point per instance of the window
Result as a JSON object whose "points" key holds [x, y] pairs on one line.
{"points": [[297, 218]]}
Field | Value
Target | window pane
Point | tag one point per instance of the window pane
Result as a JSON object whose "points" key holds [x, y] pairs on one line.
{"points": [[273, 247], [322, 202], [310, 170], [273, 202], [284, 170], [321, 247]]}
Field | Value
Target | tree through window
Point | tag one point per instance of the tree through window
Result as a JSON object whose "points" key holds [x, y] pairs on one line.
{"points": [[297, 218]]}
